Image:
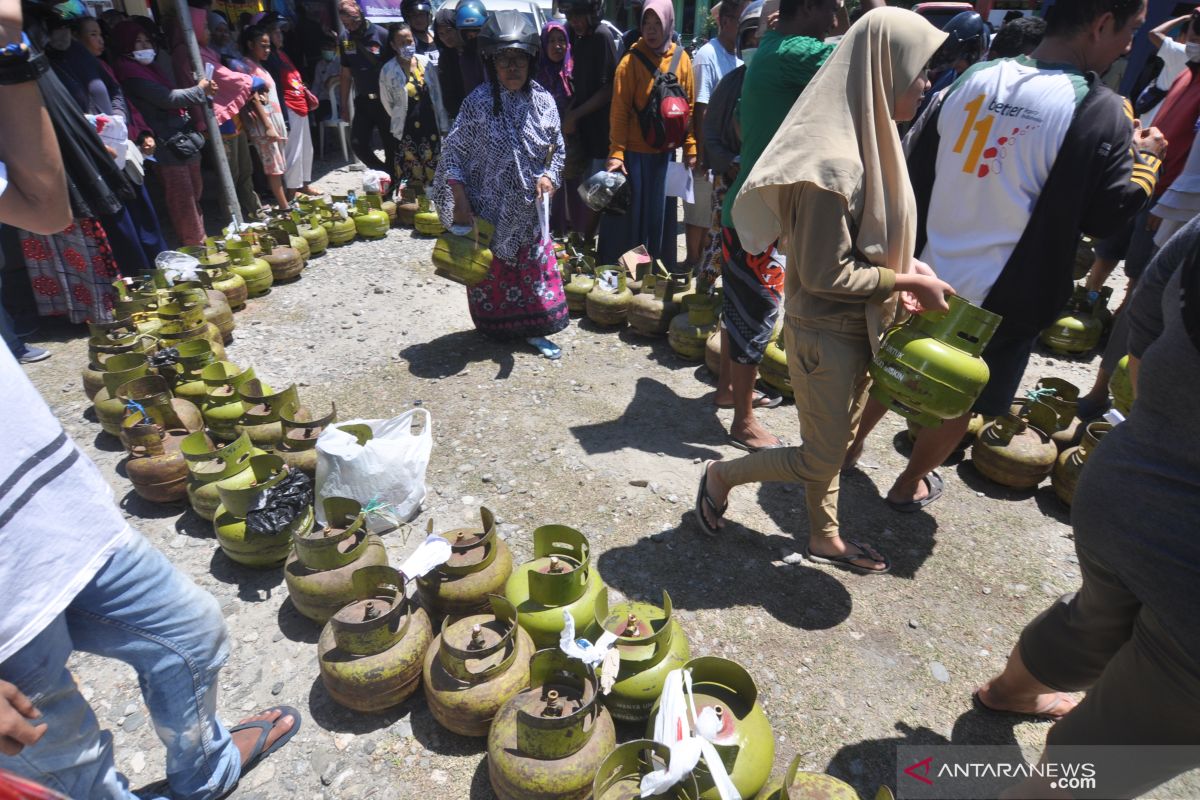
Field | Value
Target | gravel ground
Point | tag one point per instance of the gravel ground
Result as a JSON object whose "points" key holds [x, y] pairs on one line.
{"points": [[608, 440]]}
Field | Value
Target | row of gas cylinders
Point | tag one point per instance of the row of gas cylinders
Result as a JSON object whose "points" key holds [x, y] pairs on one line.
{"points": [[1041, 437], [482, 638]]}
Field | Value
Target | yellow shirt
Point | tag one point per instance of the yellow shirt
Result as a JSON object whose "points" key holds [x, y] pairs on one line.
{"points": [[631, 91]]}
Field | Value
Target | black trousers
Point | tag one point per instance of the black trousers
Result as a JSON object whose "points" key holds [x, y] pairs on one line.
{"points": [[369, 118]]}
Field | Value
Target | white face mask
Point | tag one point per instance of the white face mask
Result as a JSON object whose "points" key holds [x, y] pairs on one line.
{"points": [[1192, 49], [748, 54], [407, 52], [143, 56]]}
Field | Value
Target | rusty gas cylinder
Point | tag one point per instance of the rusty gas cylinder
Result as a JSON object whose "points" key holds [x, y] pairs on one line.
{"points": [[370, 651], [152, 434], [298, 446], [261, 419], [480, 564], [474, 666], [650, 643], [1016, 451], [797, 784], [319, 573], [548, 741]]}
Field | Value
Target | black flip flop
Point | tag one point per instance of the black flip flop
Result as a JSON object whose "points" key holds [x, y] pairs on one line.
{"points": [[265, 726], [935, 484], [742, 444], [847, 561], [979, 705], [702, 499]]}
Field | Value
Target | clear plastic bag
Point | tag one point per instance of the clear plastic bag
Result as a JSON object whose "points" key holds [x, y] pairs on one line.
{"points": [[178, 267]]}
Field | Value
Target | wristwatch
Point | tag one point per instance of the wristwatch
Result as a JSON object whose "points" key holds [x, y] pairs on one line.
{"points": [[19, 63]]}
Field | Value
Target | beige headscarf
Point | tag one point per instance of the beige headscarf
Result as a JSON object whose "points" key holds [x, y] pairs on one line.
{"points": [[840, 136]]}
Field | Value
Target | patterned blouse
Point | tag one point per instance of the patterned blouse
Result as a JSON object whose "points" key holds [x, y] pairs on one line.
{"points": [[499, 159]]}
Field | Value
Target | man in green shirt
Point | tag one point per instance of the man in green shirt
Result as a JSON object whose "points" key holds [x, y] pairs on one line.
{"points": [[787, 58]]}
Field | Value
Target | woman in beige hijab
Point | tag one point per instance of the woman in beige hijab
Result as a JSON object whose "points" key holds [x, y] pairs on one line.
{"points": [[832, 186]]}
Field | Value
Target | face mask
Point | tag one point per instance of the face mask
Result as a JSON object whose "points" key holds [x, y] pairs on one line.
{"points": [[143, 56], [407, 52], [1192, 49], [328, 55], [748, 54]]}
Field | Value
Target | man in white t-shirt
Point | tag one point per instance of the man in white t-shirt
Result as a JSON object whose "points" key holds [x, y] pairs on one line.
{"points": [[717, 58]]}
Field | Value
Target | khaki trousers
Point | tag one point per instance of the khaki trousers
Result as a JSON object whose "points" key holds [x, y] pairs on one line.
{"points": [[828, 369]]}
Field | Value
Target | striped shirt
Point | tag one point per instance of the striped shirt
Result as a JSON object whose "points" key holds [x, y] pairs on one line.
{"points": [[58, 522]]}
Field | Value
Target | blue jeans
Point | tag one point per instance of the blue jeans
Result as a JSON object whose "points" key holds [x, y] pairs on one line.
{"points": [[644, 222], [141, 610]]}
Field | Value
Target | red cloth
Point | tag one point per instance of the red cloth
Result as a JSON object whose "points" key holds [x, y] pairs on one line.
{"points": [[294, 92], [1176, 118]]}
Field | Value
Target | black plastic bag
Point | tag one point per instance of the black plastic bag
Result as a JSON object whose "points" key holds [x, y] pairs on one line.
{"points": [[165, 358], [281, 504]]}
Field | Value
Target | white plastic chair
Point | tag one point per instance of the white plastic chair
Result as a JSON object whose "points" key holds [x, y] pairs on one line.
{"points": [[335, 121]]}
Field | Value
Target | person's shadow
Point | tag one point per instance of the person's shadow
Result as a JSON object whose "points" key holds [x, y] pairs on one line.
{"points": [[657, 421], [451, 354], [725, 572]]}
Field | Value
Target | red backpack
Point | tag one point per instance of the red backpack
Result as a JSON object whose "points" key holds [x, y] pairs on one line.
{"points": [[665, 119]]}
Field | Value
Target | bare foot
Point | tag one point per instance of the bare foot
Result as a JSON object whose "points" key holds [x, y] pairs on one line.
{"points": [[724, 398], [1050, 705], [753, 433], [311, 190], [245, 740], [718, 492], [866, 556]]}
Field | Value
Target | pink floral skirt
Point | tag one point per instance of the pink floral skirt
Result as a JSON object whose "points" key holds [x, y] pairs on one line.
{"points": [[521, 299]]}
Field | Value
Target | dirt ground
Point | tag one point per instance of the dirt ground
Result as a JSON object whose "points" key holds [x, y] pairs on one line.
{"points": [[608, 440]]}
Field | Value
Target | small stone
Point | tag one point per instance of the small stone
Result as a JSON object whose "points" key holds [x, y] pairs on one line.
{"points": [[465, 468], [138, 762], [672, 498], [793, 558], [640, 483], [250, 636], [342, 741], [277, 688], [487, 477], [912, 623], [277, 636], [378, 290], [986, 590], [330, 772], [468, 500], [403, 728], [368, 747], [133, 722], [939, 671], [129, 709]]}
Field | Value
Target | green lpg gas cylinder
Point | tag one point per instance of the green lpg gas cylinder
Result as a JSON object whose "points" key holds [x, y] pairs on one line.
{"points": [[286, 262], [209, 463], [152, 434], [312, 231], [426, 220], [474, 666], [285, 232], [1016, 451], [254, 271], [690, 330], [548, 741], [370, 651], [480, 565], [774, 366], [620, 774], [107, 340], [799, 785], [320, 570], [653, 308], [464, 259], [1121, 387], [260, 418], [744, 739], [577, 290], [929, 369], [298, 446], [241, 542], [1076, 331], [560, 576], [609, 307], [370, 223], [119, 370], [1069, 465], [650, 643], [223, 407]]}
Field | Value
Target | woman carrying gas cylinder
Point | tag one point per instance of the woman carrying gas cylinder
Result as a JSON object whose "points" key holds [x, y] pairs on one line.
{"points": [[503, 154], [833, 187]]}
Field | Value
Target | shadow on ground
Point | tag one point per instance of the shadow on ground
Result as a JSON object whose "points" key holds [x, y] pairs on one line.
{"points": [[254, 585], [681, 561], [974, 479], [871, 763], [332, 717], [295, 626], [657, 421], [451, 354]]}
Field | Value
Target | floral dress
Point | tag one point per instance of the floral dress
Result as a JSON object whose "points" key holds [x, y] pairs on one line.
{"points": [[72, 271], [271, 153], [417, 155], [498, 154]]}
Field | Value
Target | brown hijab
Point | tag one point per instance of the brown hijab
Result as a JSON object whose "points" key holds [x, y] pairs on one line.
{"points": [[840, 136]]}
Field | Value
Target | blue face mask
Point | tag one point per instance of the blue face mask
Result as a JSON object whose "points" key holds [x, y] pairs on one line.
{"points": [[328, 55]]}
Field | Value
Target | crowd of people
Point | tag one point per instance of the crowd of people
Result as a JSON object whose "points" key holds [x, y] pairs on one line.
{"points": [[841, 184]]}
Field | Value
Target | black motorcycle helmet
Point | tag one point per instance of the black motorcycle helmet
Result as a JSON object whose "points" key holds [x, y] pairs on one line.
{"points": [[593, 8], [968, 41], [607, 193], [410, 7], [509, 30]]}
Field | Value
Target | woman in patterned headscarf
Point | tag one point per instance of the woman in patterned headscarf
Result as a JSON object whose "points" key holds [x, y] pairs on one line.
{"points": [[503, 154]]}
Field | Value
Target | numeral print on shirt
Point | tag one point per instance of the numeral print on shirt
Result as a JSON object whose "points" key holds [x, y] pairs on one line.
{"points": [[977, 130]]}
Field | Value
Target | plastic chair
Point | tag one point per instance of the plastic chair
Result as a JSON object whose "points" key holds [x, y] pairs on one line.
{"points": [[335, 121]]}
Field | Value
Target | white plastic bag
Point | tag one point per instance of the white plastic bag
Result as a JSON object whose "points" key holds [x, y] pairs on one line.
{"points": [[376, 182], [543, 209], [178, 267], [386, 475]]}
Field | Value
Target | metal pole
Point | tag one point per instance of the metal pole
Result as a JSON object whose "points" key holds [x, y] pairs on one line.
{"points": [[214, 131]]}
